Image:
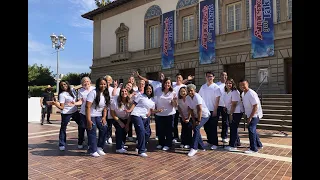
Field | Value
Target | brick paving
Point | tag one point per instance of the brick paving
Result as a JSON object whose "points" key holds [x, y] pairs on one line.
{"points": [[47, 162]]}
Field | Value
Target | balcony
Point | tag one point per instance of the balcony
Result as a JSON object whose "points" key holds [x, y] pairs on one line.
{"points": [[120, 57]]}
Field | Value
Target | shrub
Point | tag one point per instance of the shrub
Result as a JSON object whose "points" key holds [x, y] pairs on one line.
{"points": [[36, 91]]}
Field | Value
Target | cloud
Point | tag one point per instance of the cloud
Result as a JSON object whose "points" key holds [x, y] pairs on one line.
{"points": [[82, 6]]}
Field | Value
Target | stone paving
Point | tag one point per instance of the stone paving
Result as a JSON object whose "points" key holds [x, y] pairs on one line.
{"points": [[274, 161]]}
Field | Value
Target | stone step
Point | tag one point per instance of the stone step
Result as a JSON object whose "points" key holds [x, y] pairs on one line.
{"points": [[269, 127], [276, 122], [277, 111], [276, 107], [276, 95], [277, 99], [277, 116], [277, 103]]}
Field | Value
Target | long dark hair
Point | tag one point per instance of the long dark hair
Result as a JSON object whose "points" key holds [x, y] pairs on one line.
{"points": [[179, 96], [234, 86], [145, 91], [68, 89], [164, 81], [119, 99], [131, 91], [105, 92]]}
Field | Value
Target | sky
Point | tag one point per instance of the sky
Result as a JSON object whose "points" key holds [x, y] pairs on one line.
{"points": [[60, 16]]}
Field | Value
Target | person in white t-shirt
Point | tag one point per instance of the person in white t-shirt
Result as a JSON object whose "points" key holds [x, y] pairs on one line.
{"points": [[133, 82], [200, 114], [121, 116], [210, 93], [234, 109], [98, 101], [131, 95], [186, 130], [141, 86], [221, 108], [69, 110], [253, 111]]}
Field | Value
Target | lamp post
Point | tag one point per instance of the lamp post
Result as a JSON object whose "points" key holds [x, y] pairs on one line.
{"points": [[58, 43]]}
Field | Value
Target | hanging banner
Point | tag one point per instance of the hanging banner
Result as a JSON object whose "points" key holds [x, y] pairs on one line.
{"points": [[262, 34], [167, 58], [207, 43]]}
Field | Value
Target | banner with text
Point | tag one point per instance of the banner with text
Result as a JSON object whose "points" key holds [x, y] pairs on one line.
{"points": [[262, 34], [207, 43], [167, 52]]}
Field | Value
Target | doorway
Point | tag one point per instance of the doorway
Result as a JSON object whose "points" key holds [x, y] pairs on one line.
{"points": [[234, 71]]}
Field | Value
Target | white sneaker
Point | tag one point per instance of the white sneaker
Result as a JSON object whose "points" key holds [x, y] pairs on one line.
{"points": [[121, 150], [156, 138], [95, 154], [80, 146], [249, 152], [165, 148], [192, 152], [174, 141], [143, 155], [110, 140], [186, 146], [181, 146], [159, 147], [213, 147], [260, 147], [62, 148], [227, 148], [130, 139], [233, 149], [137, 150], [125, 147], [225, 140], [100, 151]]}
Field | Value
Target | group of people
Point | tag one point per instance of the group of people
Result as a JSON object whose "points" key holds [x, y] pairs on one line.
{"points": [[170, 102]]}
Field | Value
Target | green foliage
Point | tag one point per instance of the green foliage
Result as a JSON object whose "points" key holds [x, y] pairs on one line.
{"points": [[75, 78], [40, 75], [36, 91], [102, 3]]}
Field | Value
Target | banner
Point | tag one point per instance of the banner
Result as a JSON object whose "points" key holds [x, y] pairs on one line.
{"points": [[167, 58], [262, 34], [207, 43]]}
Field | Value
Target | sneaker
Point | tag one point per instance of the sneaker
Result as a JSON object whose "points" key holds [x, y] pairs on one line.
{"points": [[213, 147], [233, 149], [62, 148], [137, 150], [159, 147], [156, 138], [80, 146], [110, 140], [192, 152], [143, 155], [125, 147], [227, 148], [121, 151], [181, 146], [260, 147], [174, 141], [225, 140], [95, 154], [130, 139], [165, 148], [249, 152], [100, 151], [186, 146], [42, 123], [49, 122]]}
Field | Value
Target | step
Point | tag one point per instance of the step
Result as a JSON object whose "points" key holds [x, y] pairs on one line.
{"points": [[270, 127], [277, 99], [280, 103], [277, 116], [276, 107], [276, 95], [276, 122], [276, 111]]}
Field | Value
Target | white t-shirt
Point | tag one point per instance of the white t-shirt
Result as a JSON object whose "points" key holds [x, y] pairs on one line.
{"points": [[164, 102], [233, 96], [135, 88], [95, 112], [144, 104], [249, 99], [65, 98], [120, 112], [110, 89], [157, 87], [192, 103], [82, 94], [184, 107], [176, 88], [209, 95], [221, 86]]}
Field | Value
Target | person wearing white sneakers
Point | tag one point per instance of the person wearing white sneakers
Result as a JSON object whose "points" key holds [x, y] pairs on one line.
{"points": [[221, 108], [253, 111], [98, 101], [235, 110], [186, 131], [167, 101], [210, 93], [120, 117], [200, 114]]}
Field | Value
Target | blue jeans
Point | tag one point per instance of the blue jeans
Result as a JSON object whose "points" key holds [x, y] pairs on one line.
{"points": [[197, 139], [109, 128], [175, 125], [121, 133], [92, 134], [186, 132], [165, 130], [143, 131], [225, 123], [234, 125], [83, 125], [211, 129], [65, 118], [253, 135]]}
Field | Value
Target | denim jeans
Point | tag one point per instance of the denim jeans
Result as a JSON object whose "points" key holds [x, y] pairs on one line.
{"points": [[186, 132], [92, 134], [234, 125], [65, 118], [121, 133], [175, 125], [197, 139], [143, 131], [253, 135], [225, 123]]}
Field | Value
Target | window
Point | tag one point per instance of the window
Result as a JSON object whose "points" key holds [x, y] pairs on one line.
{"points": [[122, 44], [153, 31], [188, 28], [234, 17], [289, 9]]}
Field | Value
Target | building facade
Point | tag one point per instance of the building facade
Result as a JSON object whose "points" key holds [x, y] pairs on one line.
{"points": [[127, 38]]}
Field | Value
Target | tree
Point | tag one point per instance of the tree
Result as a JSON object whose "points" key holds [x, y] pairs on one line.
{"points": [[102, 3], [81, 75], [33, 72], [72, 78], [40, 75]]}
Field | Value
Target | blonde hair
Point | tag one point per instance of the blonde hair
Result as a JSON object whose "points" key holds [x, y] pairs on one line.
{"points": [[108, 77], [85, 78], [134, 84]]}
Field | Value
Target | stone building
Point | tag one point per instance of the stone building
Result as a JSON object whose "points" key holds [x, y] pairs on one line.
{"points": [[127, 38]]}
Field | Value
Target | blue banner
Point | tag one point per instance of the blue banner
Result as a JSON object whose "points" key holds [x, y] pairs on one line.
{"points": [[207, 43], [167, 58], [262, 34]]}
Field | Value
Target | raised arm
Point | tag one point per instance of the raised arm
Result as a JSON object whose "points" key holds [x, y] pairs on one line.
{"points": [[141, 77]]}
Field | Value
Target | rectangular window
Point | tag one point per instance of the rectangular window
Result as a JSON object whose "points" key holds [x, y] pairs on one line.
{"points": [[289, 9], [188, 28], [122, 44], [234, 17], [153, 36]]}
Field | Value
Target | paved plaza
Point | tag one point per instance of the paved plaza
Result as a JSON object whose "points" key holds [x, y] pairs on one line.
{"points": [[45, 161]]}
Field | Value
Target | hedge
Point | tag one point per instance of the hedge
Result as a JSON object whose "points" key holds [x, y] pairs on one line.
{"points": [[36, 91]]}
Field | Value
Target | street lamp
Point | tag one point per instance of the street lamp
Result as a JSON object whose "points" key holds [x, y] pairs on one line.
{"points": [[58, 46]]}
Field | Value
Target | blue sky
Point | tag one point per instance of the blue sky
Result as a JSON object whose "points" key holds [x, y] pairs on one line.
{"points": [[60, 16]]}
